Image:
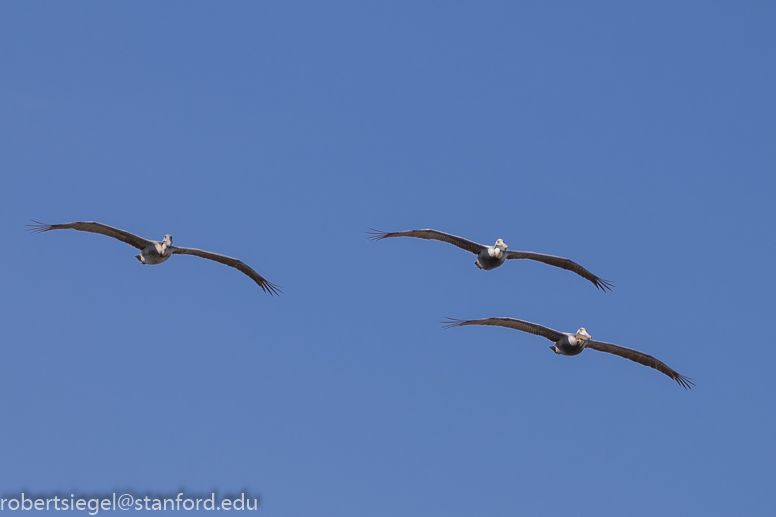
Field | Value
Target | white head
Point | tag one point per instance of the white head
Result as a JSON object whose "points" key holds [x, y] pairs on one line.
{"points": [[500, 244], [583, 335], [167, 240]]}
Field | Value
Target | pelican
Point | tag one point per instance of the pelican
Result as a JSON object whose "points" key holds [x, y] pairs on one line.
{"points": [[156, 252], [491, 257], [573, 344]]}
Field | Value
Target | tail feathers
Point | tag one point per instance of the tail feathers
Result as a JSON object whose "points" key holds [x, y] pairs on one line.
{"points": [[139, 257]]}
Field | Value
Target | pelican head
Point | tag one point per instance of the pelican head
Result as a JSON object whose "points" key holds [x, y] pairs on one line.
{"points": [[167, 240], [583, 335], [500, 244]]}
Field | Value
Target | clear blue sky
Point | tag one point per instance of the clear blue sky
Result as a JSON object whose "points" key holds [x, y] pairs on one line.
{"points": [[637, 140]]}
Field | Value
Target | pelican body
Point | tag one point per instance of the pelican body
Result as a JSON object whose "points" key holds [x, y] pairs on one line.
{"points": [[571, 344], [156, 252], [491, 257]]}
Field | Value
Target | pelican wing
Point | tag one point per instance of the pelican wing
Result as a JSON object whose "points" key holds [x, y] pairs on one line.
{"points": [[640, 357], [92, 227], [525, 326], [434, 235], [563, 263], [232, 262]]}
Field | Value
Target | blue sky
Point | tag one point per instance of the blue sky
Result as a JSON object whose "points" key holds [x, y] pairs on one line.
{"points": [[637, 140]]}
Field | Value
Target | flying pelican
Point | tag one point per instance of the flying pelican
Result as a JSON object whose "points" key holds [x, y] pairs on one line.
{"points": [[491, 257], [573, 344], [156, 252]]}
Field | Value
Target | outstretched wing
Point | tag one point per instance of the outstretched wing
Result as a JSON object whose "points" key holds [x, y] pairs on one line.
{"points": [[268, 287], [434, 235], [525, 326], [92, 227], [642, 358], [563, 263]]}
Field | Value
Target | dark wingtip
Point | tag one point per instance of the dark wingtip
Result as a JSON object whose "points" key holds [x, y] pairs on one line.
{"points": [[604, 285], [272, 289], [449, 323], [376, 235], [684, 382], [38, 227]]}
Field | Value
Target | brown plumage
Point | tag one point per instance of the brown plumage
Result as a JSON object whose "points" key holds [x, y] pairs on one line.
{"points": [[491, 257], [156, 252], [573, 344]]}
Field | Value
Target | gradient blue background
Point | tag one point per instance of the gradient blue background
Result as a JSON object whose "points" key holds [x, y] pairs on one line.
{"points": [[637, 140]]}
